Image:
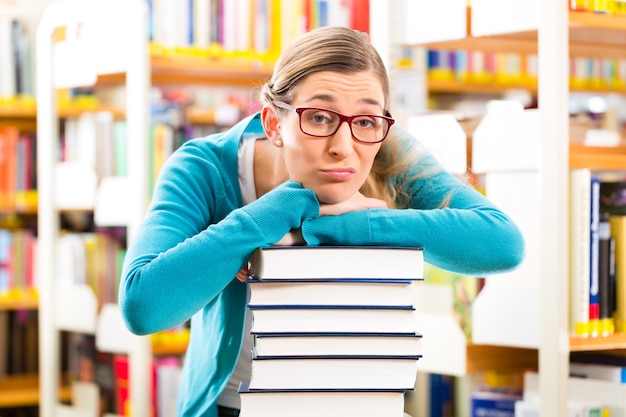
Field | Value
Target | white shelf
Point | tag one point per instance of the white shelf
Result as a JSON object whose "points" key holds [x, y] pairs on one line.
{"points": [[546, 32], [75, 186], [113, 202], [444, 343], [112, 335], [88, 50], [76, 308]]}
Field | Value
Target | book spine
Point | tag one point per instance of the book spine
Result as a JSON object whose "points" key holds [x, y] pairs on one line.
{"points": [[594, 284], [604, 277], [580, 195]]}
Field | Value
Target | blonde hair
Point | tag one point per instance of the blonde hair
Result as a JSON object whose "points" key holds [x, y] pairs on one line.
{"points": [[347, 51]]}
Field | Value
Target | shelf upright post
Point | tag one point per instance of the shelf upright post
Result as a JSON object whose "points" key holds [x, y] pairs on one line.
{"points": [[64, 13], [553, 46], [48, 223], [138, 120]]}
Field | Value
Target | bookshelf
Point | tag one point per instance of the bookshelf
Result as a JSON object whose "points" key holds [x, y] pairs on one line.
{"points": [[73, 307], [554, 33], [181, 69]]}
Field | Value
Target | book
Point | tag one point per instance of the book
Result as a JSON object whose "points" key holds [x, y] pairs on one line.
{"points": [[611, 373], [315, 403], [311, 319], [618, 231], [580, 247], [333, 373], [594, 281], [606, 268], [337, 344], [331, 292], [322, 262], [489, 403]]}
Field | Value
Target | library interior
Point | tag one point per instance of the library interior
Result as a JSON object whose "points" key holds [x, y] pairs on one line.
{"points": [[522, 101]]}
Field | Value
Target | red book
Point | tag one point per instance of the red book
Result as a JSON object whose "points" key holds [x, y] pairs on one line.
{"points": [[120, 367], [360, 15]]}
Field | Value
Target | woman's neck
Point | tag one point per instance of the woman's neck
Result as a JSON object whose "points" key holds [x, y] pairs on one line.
{"points": [[269, 167]]}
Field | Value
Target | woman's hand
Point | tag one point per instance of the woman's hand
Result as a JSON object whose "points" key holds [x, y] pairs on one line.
{"points": [[243, 273], [293, 238], [357, 202]]}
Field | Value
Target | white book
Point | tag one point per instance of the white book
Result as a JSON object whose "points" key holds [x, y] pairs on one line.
{"points": [[333, 373], [303, 403], [609, 373], [331, 292], [323, 262], [580, 248], [337, 344], [333, 320], [7, 59]]}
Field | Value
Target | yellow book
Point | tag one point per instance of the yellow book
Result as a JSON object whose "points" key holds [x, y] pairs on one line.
{"points": [[618, 230]]}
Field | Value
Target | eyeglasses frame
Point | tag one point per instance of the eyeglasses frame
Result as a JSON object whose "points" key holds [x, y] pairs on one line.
{"points": [[342, 118]]}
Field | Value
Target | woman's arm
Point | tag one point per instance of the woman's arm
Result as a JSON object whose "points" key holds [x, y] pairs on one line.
{"points": [[469, 236], [195, 239]]}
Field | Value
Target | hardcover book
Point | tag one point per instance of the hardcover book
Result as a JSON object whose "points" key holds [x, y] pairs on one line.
{"points": [[323, 262]]}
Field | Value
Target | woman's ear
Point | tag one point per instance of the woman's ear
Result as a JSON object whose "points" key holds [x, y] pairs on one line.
{"points": [[270, 122]]}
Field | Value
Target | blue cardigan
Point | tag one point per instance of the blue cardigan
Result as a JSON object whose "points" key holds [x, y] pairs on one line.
{"points": [[196, 236]]}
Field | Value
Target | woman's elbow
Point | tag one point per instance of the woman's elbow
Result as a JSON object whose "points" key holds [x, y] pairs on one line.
{"points": [[512, 249]]}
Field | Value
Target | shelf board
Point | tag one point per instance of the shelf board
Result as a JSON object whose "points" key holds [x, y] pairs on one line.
{"points": [[611, 342], [23, 391], [197, 70], [17, 114], [485, 357], [460, 87], [597, 157], [29, 301], [169, 349], [590, 35]]}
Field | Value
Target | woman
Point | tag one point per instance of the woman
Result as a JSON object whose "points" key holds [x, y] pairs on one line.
{"points": [[294, 173]]}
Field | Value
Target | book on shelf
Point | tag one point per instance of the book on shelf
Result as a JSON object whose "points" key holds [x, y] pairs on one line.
{"points": [[587, 397], [611, 373], [618, 232], [323, 319], [580, 251], [337, 344], [331, 292], [491, 403], [315, 403], [594, 282], [346, 373], [606, 276], [323, 262]]}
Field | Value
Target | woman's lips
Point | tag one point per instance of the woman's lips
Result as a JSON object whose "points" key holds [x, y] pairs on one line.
{"points": [[339, 174]]}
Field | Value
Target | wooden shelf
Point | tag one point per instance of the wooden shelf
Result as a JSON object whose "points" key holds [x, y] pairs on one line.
{"points": [[596, 157], [452, 86], [485, 357], [23, 391], [196, 70], [167, 349], [17, 114], [590, 34], [613, 342], [29, 301]]}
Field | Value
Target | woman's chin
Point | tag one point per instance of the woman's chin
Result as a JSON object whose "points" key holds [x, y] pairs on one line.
{"points": [[328, 197]]}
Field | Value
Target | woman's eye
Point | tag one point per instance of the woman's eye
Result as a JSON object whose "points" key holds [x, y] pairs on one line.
{"points": [[320, 118], [364, 123]]}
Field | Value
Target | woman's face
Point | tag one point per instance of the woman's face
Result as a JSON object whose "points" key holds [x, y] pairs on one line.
{"points": [[337, 166]]}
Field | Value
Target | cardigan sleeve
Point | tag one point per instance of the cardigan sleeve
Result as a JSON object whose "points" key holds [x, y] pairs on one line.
{"points": [[195, 239], [469, 235]]}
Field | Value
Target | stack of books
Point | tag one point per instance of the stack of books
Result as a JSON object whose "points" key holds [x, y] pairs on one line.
{"points": [[335, 331]]}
